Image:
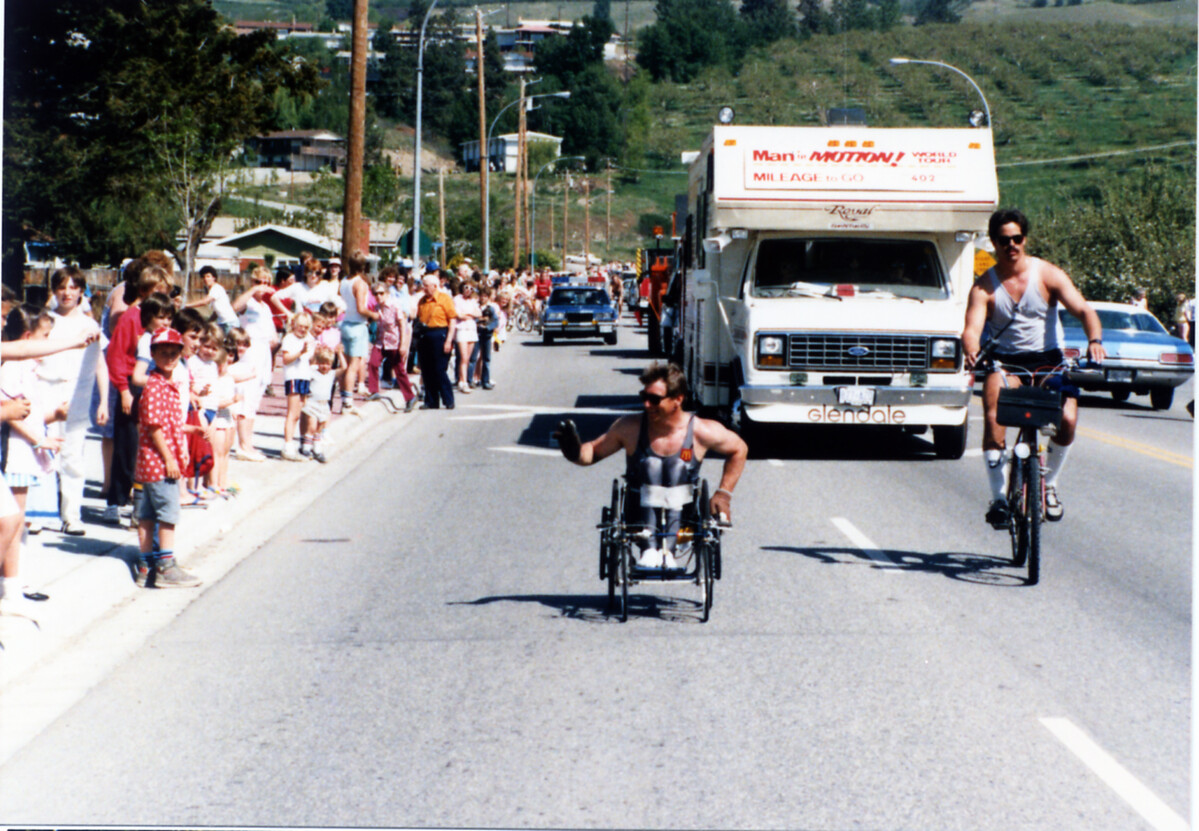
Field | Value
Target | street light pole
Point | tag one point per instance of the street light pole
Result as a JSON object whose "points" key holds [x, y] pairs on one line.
{"points": [[420, 69], [486, 154], [951, 68], [533, 240]]}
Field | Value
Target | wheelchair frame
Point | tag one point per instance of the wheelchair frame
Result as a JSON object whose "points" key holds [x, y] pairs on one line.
{"points": [[698, 529]]}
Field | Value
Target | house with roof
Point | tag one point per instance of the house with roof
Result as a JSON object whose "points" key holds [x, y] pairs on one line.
{"points": [[278, 245], [299, 150], [503, 150]]}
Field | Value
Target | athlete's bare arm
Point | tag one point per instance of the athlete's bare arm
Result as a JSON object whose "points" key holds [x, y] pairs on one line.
{"points": [[714, 436], [621, 435], [1059, 285], [976, 320]]}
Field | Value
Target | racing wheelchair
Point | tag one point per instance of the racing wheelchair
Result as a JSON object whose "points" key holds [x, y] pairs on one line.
{"points": [[696, 545]]}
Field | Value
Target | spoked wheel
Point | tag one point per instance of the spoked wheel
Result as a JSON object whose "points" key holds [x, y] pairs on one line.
{"points": [[612, 550], [1034, 508], [705, 572], [1016, 499], [622, 570]]}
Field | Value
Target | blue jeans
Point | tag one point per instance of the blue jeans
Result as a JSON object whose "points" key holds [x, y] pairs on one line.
{"points": [[481, 352]]}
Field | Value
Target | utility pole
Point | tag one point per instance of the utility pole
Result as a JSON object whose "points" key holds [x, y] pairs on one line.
{"points": [[565, 218], [520, 146], [586, 225], [484, 152], [351, 220], [626, 41], [551, 212], [608, 220], [441, 208]]}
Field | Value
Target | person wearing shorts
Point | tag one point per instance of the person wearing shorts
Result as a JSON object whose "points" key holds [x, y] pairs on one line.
{"points": [[355, 332], [161, 459]]}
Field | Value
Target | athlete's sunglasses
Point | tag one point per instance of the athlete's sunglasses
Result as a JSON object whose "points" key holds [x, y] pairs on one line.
{"points": [[1014, 239], [651, 398]]}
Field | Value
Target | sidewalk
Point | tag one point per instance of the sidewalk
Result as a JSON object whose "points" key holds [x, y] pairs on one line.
{"points": [[87, 577]]}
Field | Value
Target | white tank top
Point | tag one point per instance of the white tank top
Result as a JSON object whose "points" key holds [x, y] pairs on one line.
{"points": [[347, 296], [1032, 325]]}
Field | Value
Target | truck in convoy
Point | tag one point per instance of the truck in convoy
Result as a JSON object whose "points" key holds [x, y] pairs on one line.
{"points": [[826, 271]]}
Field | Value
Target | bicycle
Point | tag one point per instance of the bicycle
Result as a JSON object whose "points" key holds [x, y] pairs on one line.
{"points": [[521, 318], [1036, 410]]}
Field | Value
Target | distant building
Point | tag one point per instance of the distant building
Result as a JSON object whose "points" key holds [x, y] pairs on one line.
{"points": [[282, 29], [502, 152], [281, 244], [299, 150]]}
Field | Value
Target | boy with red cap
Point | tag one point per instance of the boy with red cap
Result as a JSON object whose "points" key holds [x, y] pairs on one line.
{"points": [[161, 460]]}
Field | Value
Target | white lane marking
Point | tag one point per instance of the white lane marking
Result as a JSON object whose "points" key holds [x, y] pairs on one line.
{"points": [[775, 462], [530, 451], [863, 542], [977, 418], [1115, 776], [973, 452], [493, 417]]}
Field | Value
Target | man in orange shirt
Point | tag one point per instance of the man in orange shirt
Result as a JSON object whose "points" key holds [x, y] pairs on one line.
{"points": [[438, 319]]}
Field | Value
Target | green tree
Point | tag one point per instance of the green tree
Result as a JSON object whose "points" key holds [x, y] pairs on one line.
{"points": [[813, 18], [767, 21], [940, 11], [127, 109], [689, 35], [396, 67], [340, 9], [849, 15], [602, 10]]}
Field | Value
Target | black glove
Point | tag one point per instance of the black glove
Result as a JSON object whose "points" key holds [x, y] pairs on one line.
{"points": [[568, 440]]}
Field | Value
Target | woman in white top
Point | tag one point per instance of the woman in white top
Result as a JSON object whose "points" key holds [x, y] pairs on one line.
{"points": [[226, 318], [355, 334], [255, 306], [310, 294], [467, 306]]}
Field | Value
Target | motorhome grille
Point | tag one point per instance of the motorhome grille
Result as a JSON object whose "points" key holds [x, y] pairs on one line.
{"points": [[857, 352]]}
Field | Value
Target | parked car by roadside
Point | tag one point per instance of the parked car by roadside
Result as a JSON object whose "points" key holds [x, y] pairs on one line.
{"points": [[1142, 356]]}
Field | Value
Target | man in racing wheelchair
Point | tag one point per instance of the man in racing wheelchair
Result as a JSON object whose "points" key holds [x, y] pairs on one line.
{"points": [[664, 447]]}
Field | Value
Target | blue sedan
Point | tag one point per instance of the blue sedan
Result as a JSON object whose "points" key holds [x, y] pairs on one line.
{"points": [[1142, 357], [579, 311]]}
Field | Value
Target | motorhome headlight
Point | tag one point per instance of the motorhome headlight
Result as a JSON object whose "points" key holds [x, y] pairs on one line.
{"points": [[770, 350], [943, 353]]}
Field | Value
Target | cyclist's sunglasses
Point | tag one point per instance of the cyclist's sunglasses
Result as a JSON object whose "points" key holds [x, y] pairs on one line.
{"points": [[1014, 239], [651, 398]]}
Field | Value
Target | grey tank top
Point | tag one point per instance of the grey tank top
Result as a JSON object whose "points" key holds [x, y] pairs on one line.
{"points": [[1032, 325]]}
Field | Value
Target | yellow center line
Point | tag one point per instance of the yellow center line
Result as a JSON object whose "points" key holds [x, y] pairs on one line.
{"points": [[1180, 459]]}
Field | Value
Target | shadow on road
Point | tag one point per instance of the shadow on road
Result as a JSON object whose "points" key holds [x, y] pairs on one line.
{"points": [[593, 608], [972, 568]]}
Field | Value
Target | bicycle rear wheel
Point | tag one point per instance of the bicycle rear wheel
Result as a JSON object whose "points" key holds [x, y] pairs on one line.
{"points": [[1034, 511]]}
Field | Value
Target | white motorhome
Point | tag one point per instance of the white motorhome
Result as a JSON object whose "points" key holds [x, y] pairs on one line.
{"points": [[826, 274]]}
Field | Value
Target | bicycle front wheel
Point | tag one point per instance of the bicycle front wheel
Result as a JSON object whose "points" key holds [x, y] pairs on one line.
{"points": [[1017, 497]]}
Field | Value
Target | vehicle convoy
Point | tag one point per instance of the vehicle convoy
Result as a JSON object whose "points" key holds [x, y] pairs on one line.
{"points": [[826, 272], [578, 310], [1142, 357]]}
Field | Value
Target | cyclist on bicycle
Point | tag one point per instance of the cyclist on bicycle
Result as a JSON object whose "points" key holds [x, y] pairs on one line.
{"points": [[1018, 301], [664, 447]]}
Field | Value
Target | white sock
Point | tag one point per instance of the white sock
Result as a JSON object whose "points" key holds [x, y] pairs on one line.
{"points": [[10, 587], [1055, 460], [997, 472]]}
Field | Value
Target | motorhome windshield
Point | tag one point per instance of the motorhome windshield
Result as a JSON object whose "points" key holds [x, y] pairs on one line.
{"points": [[806, 267]]}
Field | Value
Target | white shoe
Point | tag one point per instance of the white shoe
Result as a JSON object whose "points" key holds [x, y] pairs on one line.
{"points": [[668, 560], [112, 515], [464, 389], [291, 454], [650, 558]]}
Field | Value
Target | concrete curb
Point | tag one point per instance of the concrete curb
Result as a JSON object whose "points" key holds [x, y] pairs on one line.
{"points": [[89, 578]]}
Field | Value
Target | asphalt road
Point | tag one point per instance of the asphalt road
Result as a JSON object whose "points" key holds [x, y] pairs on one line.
{"points": [[427, 645]]}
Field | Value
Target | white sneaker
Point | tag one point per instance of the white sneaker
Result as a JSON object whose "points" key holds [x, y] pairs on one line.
{"points": [[112, 515], [464, 389], [650, 558], [291, 454]]}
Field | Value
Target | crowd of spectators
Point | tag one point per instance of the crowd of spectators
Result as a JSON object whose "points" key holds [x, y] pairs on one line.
{"points": [[173, 385]]}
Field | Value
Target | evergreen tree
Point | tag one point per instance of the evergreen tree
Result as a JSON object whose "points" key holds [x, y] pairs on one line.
{"points": [[767, 20], [940, 11], [342, 10], [602, 10], [889, 15], [813, 18], [689, 35], [396, 67]]}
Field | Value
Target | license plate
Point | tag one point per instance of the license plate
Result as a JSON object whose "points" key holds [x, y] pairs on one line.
{"points": [[855, 396], [1119, 376]]}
